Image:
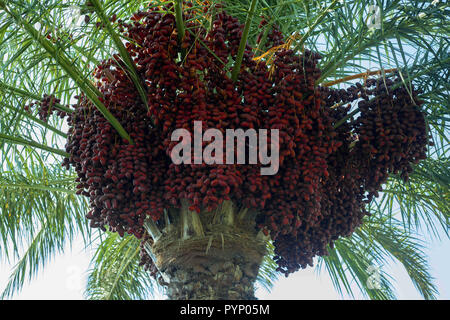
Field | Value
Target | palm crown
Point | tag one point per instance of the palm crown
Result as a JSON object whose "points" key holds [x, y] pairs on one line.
{"points": [[51, 47]]}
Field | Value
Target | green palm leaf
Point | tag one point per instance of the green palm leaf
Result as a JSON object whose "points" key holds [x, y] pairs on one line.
{"points": [[361, 260], [116, 274]]}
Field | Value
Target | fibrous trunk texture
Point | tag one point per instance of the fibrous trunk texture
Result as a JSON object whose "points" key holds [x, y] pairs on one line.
{"points": [[208, 256]]}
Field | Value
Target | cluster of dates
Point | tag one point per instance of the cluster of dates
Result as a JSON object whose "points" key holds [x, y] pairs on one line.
{"points": [[46, 107], [326, 174]]}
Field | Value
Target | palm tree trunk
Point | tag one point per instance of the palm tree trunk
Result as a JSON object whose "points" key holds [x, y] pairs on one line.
{"points": [[208, 256]]}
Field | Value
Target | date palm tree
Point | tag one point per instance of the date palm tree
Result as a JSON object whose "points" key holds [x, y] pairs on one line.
{"points": [[40, 211]]}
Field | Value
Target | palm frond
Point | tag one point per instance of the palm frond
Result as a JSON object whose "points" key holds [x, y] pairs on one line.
{"points": [[39, 214], [65, 63], [390, 239], [115, 272], [361, 260], [422, 202], [131, 68], [268, 273]]}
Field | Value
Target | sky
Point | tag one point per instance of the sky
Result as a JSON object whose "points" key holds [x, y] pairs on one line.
{"points": [[64, 278]]}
